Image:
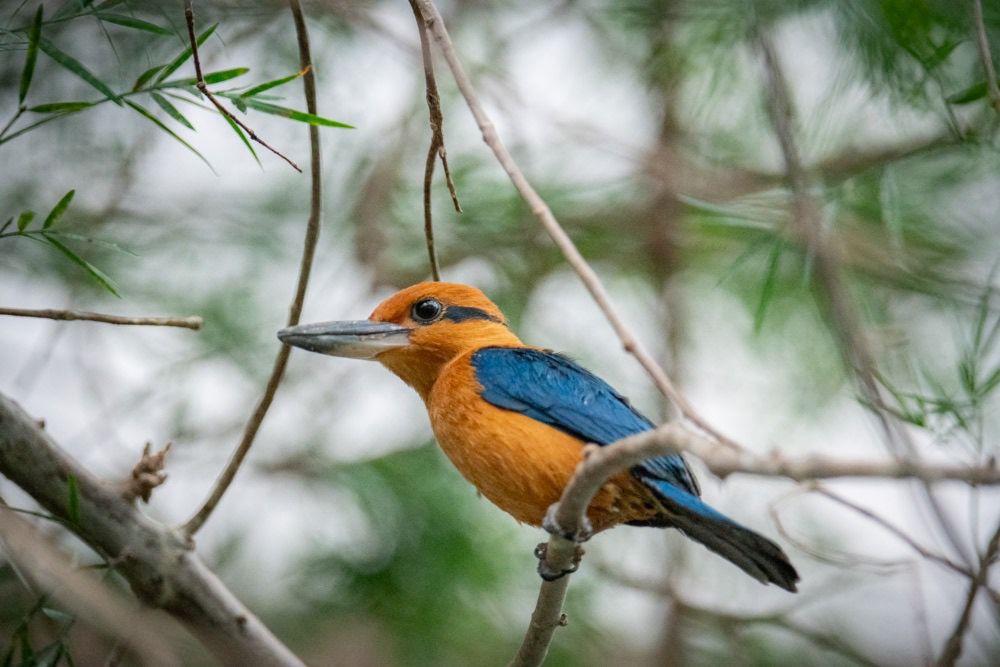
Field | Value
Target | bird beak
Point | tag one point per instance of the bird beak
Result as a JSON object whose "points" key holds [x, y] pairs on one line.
{"points": [[357, 339]]}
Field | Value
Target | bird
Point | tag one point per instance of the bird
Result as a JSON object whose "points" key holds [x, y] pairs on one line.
{"points": [[514, 419]]}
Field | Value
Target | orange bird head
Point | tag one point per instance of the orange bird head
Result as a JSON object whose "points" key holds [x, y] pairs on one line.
{"points": [[414, 333]]}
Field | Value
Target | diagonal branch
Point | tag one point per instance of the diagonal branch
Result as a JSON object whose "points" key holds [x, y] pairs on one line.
{"points": [[203, 87], [305, 267], [189, 322], [590, 279], [952, 650], [436, 148], [985, 57], [158, 563]]}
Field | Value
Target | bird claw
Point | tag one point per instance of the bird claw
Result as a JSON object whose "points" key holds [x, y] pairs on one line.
{"points": [[552, 527], [546, 572]]}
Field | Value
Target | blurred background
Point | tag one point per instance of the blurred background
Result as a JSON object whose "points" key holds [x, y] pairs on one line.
{"points": [[644, 126]]}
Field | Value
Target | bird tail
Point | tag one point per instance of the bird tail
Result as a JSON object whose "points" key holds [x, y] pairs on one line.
{"points": [[756, 555]]}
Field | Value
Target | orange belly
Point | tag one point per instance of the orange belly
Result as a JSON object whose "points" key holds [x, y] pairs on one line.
{"points": [[519, 464]]}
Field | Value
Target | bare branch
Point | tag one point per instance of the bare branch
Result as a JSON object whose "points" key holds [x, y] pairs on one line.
{"points": [[50, 570], [590, 279], [436, 148], [203, 87], [985, 57], [305, 267], [160, 565], [953, 646], [189, 322]]}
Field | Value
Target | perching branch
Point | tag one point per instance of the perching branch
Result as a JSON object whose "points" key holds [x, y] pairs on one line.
{"points": [[305, 267], [600, 463], [159, 564], [590, 279], [985, 57], [437, 142], [189, 322], [203, 87]]}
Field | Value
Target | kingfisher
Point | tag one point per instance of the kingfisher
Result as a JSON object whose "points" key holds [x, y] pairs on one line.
{"points": [[514, 419]]}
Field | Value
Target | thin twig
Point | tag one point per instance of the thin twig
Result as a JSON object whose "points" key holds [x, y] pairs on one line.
{"points": [[189, 322], [590, 279], [203, 87], [305, 267], [953, 646], [895, 530], [985, 57], [436, 148]]}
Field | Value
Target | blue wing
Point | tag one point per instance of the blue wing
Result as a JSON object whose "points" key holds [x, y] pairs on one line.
{"points": [[554, 390]]}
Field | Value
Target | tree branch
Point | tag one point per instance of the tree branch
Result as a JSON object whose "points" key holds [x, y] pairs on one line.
{"points": [[189, 322], [952, 650], [203, 87], [590, 279], [437, 142], [985, 57], [161, 567], [600, 463], [305, 267]]}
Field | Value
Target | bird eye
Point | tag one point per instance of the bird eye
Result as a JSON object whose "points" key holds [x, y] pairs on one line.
{"points": [[427, 310]]}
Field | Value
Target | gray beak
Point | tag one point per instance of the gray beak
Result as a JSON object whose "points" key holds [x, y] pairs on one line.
{"points": [[357, 339]]}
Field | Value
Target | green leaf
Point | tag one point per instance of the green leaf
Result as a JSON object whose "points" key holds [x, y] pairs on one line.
{"points": [[99, 276], [770, 282], [184, 55], [239, 103], [968, 95], [86, 239], [211, 77], [24, 220], [292, 114], [146, 76], [243, 137], [156, 121], [57, 211], [76, 67], [34, 32], [171, 110], [130, 22], [61, 107], [273, 84], [72, 498]]}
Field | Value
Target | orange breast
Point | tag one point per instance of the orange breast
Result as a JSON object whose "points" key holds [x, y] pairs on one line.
{"points": [[519, 464]]}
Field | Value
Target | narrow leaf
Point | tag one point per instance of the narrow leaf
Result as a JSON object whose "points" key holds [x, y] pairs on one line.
{"points": [[968, 95], [130, 22], [243, 137], [76, 67], [99, 276], [24, 220], [72, 499], [57, 211], [211, 77], [87, 239], [146, 76], [292, 114], [60, 107], [183, 56], [171, 110], [767, 292], [273, 84], [156, 121], [34, 32], [239, 103]]}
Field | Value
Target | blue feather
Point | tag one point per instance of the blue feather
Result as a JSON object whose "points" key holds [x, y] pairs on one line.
{"points": [[554, 390]]}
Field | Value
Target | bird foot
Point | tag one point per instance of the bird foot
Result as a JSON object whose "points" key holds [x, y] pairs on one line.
{"points": [[546, 572], [552, 527]]}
